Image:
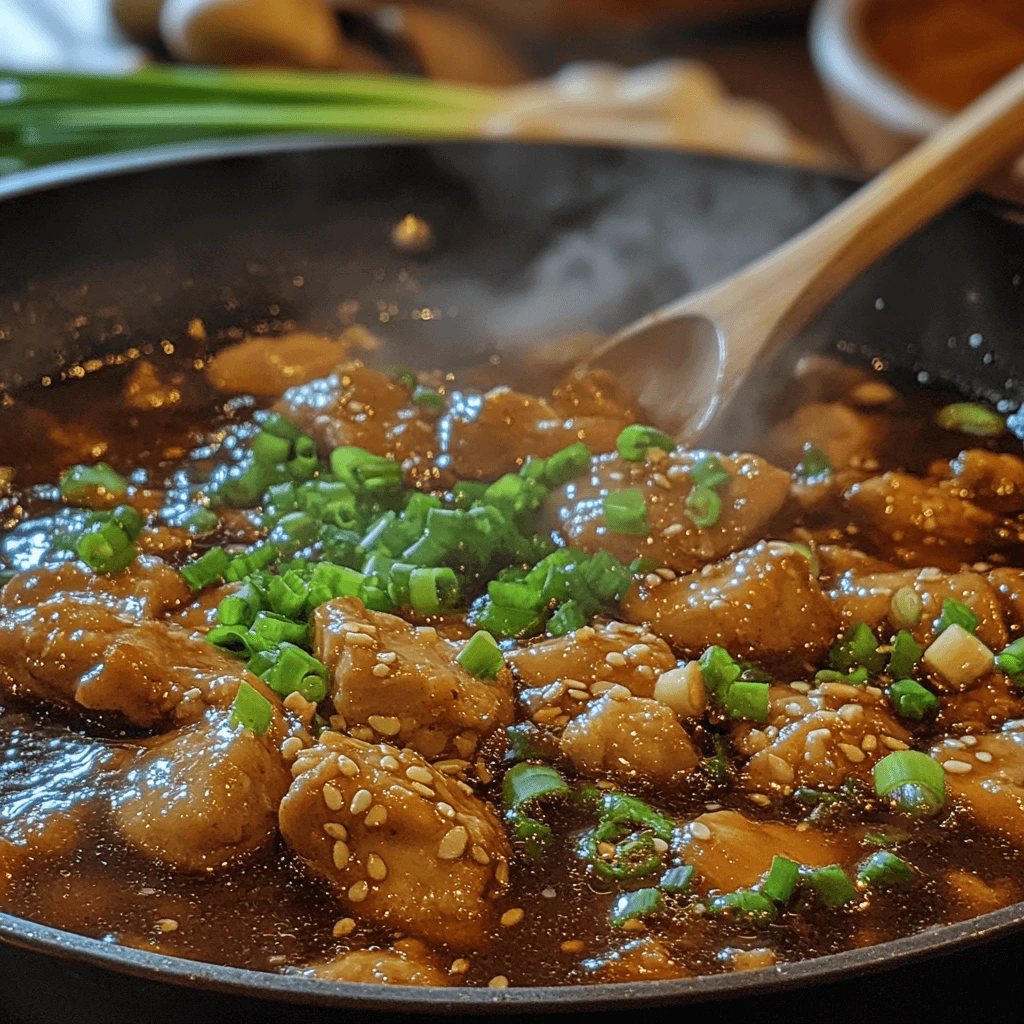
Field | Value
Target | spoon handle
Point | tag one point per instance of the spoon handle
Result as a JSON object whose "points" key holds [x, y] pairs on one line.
{"points": [[799, 278]]}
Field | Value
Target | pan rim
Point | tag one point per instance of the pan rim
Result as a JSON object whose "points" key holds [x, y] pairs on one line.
{"points": [[284, 988]]}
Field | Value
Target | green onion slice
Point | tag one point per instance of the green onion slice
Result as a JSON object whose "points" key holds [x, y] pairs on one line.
{"points": [[525, 782], [956, 613], [905, 608], [481, 657], [631, 906], [815, 464], [781, 879], [746, 903], [709, 472], [906, 653], [971, 418], [831, 884], [911, 700], [912, 781], [748, 701], [677, 879], [206, 570], [634, 440], [703, 507], [626, 512], [251, 710], [428, 398], [885, 868]]}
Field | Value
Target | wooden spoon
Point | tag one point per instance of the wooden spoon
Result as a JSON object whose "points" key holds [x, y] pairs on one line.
{"points": [[685, 361]]}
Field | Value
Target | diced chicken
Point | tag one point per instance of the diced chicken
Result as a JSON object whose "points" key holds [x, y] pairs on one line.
{"points": [[819, 738], [989, 479], [410, 962], [986, 705], [644, 959], [848, 437], [867, 599], [762, 604], [632, 739], [403, 681], [400, 843], [205, 795], [836, 561], [755, 493], [556, 673], [68, 636], [597, 406], [988, 779], [976, 896], [921, 523], [729, 851], [363, 407]]}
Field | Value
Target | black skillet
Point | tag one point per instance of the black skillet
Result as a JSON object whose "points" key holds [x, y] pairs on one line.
{"points": [[529, 242]]}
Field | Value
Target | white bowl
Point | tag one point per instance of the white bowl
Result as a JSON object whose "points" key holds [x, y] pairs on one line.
{"points": [[880, 117]]}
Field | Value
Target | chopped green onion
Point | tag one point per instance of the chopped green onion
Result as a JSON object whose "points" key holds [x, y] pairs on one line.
{"points": [[206, 570], [428, 398], [271, 630], [525, 782], [431, 589], [298, 527], [911, 700], [905, 608], [885, 868], [567, 618], [270, 450], [703, 507], [287, 595], [406, 377], [805, 551], [306, 460], [481, 657], [275, 424], [131, 520], [781, 879], [241, 608], [363, 471], [200, 520], [906, 653], [677, 879], [719, 670], [296, 671], [634, 440], [251, 710], [747, 701], [107, 549], [912, 781], [233, 639], [566, 465], [956, 613], [971, 418], [857, 646], [709, 472], [626, 512], [745, 903], [858, 677], [86, 481], [243, 488], [831, 884], [1011, 661], [631, 906], [465, 492], [815, 464], [245, 565]]}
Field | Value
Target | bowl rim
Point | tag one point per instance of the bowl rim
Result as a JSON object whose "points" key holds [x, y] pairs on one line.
{"points": [[296, 988], [848, 69]]}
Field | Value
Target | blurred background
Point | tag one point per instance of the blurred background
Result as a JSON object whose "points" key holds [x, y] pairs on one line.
{"points": [[840, 83]]}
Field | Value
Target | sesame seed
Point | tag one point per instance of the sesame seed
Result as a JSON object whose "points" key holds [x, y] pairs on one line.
{"points": [[852, 753], [512, 917], [291, 747], [619, 692], [572, 946], [347, 766], [870, 742], [637, 651], [335, 830], [446, 810], [423, 790], [381, 671], [479, 854], [501, 872], [418, 773], [760, 799], [498, 981], [666, 574], [672, 529], [698, 830], [338, 723], [358, 892], [376, 868], [894, 744], [800, 687], [167, 924], [330, 738], [453, 844], [579, 695], [794, 710], [662, 481], [359, 639], [332, 797], [601, 686], [851, 712], [652, 581], [299, 706], [970, 741], [983, 756], [386, 725], [450, 766], [346, 926], [390, 763], [459, 966], [376, 816], [956, 767], [615, 659], [660, 845], [548, 893], [361, 801], [340, 854], [387, 657]]}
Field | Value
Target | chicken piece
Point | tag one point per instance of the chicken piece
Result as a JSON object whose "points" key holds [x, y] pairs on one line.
{"points": [[762, 604], [983, 706], [819, 738], [400, 843], [835, 561], [363, 407], [729, 851], [632, 739], [1009, 588], [403, 681], [977, 897], [921, 523], [69, 636], [988, 778], [755, 493], [644, 959], [848, 437], [203, 796], [557, 671], [867, 599], [493, 434], [991, 480], [410, 962], [597, 405]]}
